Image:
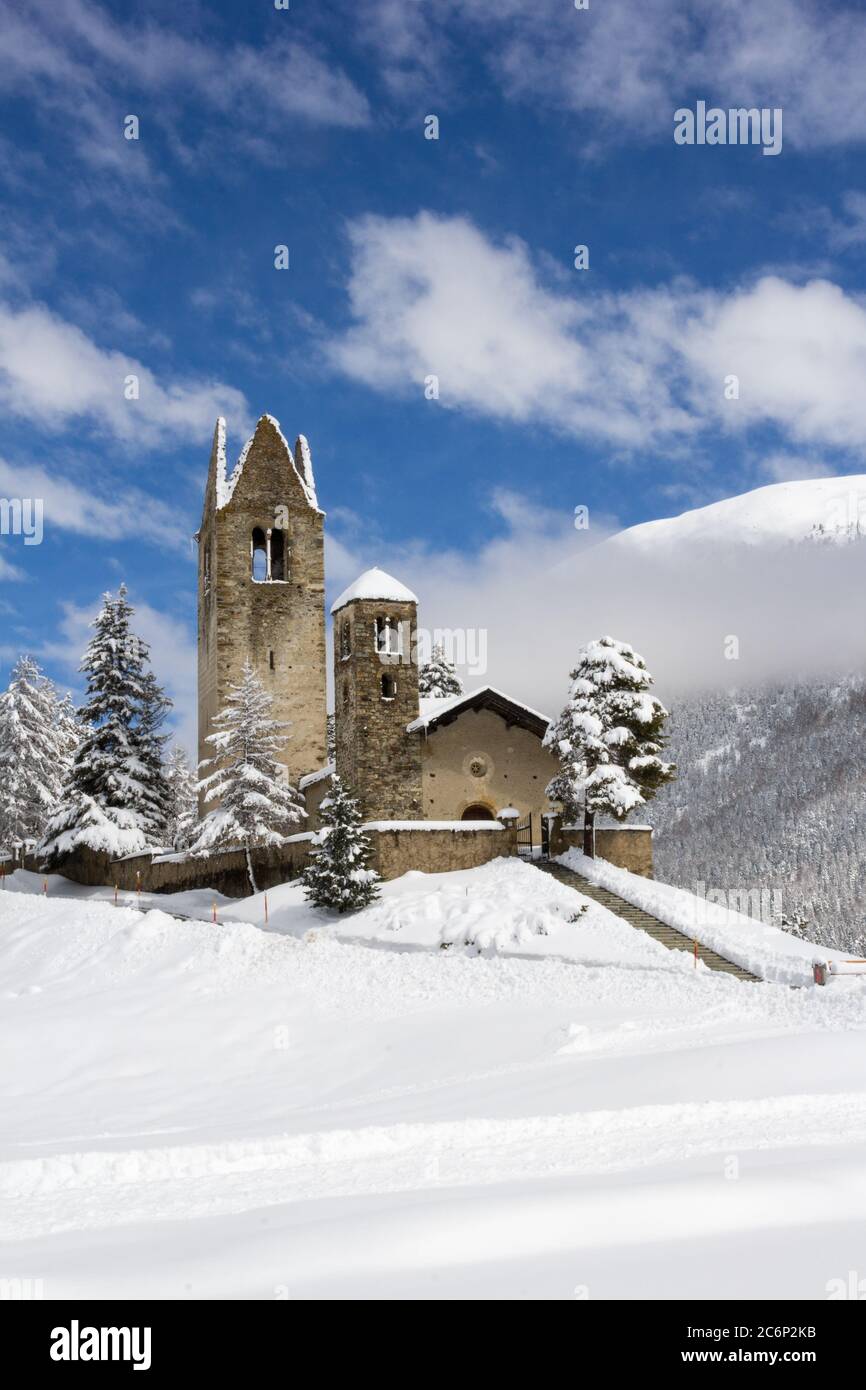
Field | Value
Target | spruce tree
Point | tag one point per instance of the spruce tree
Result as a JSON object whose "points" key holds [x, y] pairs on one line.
{"points": [[337, 875], [156, 793], [33, 753], [113, 798], [257, 805], [609, 737], [183, 800], [438, 676]]}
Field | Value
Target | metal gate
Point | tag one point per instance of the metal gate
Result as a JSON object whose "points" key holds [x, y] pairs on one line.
{"points": [[524, 838]]}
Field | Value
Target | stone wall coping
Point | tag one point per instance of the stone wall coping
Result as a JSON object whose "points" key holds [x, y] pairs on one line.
{"points": [[452, 825]]}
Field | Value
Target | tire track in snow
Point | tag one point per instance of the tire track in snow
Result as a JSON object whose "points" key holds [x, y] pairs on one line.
{"points": [[101, 1188]]}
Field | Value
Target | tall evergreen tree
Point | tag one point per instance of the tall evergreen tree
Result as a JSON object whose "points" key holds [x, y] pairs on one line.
{"points": [[68, 735], [258, 806], [438, 676], [34, 751], [337, 875], [115, 794], [157, 796], [609, 737], [183, 799]]}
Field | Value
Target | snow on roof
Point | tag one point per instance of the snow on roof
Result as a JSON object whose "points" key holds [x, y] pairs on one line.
{"points": [[225, 485], [319, 776], [375, 583], [432, 709]]}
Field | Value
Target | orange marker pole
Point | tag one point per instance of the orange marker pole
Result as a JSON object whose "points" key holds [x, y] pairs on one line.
{"points": [[45, 886], [266, 909], [115, 895], [696, 953], [213, 913]]}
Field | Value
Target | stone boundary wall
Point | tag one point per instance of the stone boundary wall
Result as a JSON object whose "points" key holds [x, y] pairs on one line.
{"points": [[437, 851], [430, 847], [396, 850], [625, 846]]}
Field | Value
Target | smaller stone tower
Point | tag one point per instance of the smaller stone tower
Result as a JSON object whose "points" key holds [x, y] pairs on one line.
{"points": [[376, 696]]}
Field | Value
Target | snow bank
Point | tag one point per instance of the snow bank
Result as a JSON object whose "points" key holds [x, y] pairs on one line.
{"points": [[765, 950]]}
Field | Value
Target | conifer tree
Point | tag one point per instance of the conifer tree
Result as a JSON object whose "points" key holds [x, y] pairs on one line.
{"points": [[68, 735], [438, 676], [34, 752], [609, 737], [337, 875], [113, 798], [257, 805], [183, 801]]}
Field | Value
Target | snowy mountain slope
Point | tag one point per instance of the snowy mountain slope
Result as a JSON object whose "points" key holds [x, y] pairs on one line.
{"points": [[813, 509], [236, 1112], [771, 795]]}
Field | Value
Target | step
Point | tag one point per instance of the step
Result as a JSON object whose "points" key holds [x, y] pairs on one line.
{"points": [[637, 917]]}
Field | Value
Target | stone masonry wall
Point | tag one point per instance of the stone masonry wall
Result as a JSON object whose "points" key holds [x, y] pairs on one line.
{"points": [[279, 625], [376, 758], [394, 852]]}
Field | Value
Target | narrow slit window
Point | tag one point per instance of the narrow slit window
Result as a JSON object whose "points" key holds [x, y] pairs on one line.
{"points": [[389, 688], [259, 555]]}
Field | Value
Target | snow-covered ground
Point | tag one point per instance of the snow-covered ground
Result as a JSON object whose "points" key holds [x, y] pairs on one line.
{"points": [[746, 939], [548, 1108]]}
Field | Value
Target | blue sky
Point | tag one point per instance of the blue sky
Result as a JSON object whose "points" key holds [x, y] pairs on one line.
{"points": [[411, 257]]}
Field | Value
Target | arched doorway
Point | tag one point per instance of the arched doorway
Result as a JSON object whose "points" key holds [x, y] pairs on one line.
{"points": [[478, 812]]}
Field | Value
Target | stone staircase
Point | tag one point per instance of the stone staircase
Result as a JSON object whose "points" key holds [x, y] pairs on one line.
{"points": [[644, 921]]}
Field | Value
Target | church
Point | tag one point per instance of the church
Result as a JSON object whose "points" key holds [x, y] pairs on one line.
{"points": [[261, 598]]}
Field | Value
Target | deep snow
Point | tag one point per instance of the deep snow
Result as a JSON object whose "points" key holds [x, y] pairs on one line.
{"points": [[342, 1108]]}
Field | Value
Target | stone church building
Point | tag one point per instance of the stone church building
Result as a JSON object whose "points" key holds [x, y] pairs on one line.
{"points": [[261, 597]]}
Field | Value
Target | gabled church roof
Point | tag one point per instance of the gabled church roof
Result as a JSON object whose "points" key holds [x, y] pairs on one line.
{"points": [[443, 711], [376, 584]]}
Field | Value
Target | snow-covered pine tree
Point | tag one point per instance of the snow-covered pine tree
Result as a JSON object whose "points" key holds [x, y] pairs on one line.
{"points": [[111, 798], [183, 799], [258, 806], [438, 676], [337, 875], [157, 793], [33, 753], [608, 737], [68, 735]]}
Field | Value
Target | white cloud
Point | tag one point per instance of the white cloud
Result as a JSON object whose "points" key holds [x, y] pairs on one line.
{"points": [[434, 296], [52, 374], [785, 468], [78, 58], [70, 507], [631, 64], [540, 589], [9, 572]]}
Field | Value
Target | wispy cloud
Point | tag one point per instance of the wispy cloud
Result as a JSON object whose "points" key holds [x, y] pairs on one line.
{"points": [[68, 506], [83, 68], [631, 64], [434, 296], [53, 374]]}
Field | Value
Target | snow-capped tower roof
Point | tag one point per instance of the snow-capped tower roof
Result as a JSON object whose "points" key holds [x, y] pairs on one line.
{"points": [[375, 584], [300, 460]]}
